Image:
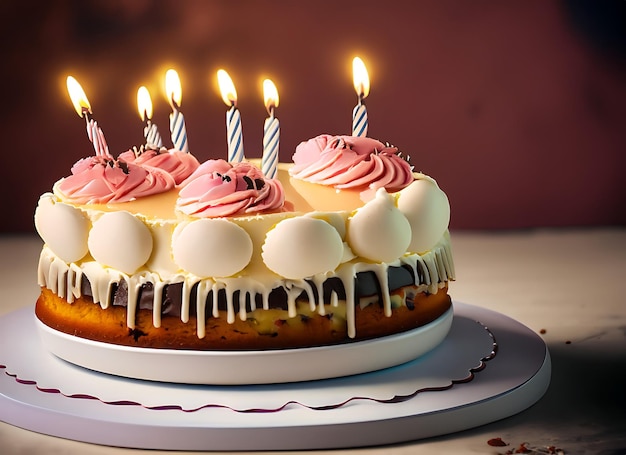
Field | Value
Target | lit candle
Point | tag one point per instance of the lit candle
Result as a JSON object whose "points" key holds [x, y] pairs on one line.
{"points": [[150, 132], [83, 109], [234, 133], [174, 93], [271, 131], [362, 86]]}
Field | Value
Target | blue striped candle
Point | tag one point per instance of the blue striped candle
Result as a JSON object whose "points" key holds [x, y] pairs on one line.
{"points": [[174, 92], [362, 87], [271, 140], [235, 135], [178, 131], [234, 132], [359, 120], [271, 131]]}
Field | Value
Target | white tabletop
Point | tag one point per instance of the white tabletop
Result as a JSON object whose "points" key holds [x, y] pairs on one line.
{"points": [[568, 285]]}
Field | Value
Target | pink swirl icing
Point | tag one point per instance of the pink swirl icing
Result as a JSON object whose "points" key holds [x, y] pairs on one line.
{"points": [[179, 164], [102, 179], [351, 162], [218, 188]]}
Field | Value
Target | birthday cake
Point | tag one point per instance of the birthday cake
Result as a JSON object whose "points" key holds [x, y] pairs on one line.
{"points": [[153, 249]]}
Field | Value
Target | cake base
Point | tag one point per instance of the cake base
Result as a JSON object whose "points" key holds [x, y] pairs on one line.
{"points": [[262, 330], [102, 409]]}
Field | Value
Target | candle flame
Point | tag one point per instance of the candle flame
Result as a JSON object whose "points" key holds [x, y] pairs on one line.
{"points": [[227, 88], [270, 95], [360, 78], [173, 88], [78, 97], [144, 103]]}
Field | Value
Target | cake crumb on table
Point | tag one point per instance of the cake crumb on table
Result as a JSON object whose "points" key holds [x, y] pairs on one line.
{"points": [[497, 442], [524, 447]]}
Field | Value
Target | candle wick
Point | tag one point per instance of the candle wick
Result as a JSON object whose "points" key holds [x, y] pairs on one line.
{"points": [[174, 103], [86, 114], [361, 99]]}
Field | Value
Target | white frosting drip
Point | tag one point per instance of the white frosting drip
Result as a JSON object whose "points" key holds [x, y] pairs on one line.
{"points": [[157, 304], [434, 267]]}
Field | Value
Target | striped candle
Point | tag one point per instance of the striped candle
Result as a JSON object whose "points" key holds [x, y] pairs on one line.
{"points": [[152, 135], [235, 135], [96, 136], [83, 109], [271, 131], [271, 139], [362, 87], [178, 130], [359, 120], [150, 131], [234, 132]]}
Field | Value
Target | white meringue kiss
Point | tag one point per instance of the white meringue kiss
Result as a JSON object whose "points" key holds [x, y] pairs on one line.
{"points": [[121, 241], [302, 247], [427, 208], [62, 227], [378, 231], [211, 247]]}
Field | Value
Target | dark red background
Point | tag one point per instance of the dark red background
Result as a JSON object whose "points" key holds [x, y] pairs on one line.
{"points": [[518, 109]]}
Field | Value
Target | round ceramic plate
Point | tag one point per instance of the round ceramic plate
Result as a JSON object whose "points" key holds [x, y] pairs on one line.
{"points": [[247, 367]]}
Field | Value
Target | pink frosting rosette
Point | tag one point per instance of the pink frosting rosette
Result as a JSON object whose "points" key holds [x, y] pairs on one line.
{"points": [[349, 162], [178, 164], [102, 179], [218, 189]]}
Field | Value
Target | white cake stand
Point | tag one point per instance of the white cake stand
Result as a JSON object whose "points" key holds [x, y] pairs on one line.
{"points": [[489, 367]]}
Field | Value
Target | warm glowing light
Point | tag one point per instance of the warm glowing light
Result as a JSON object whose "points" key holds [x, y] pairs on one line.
{"points": [[78, 97], [270, 95], [144, 103], [360, 77], [173, 88], [227, 88]]}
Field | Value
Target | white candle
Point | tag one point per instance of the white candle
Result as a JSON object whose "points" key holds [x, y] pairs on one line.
{"points": [[152, 135], [271, 131], [96, 136], [83, 109], [234, 131], [150, 131], [362, 88], [178, 130]]}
